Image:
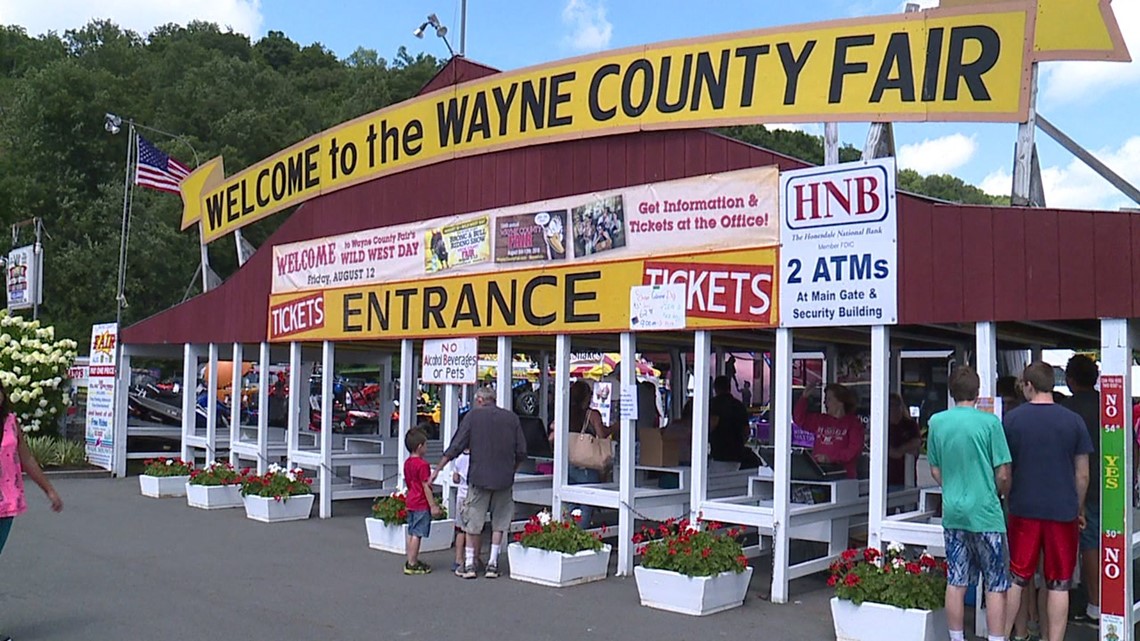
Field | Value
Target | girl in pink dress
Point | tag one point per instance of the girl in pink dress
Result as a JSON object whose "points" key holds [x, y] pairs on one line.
{"points": [[15, 459]]}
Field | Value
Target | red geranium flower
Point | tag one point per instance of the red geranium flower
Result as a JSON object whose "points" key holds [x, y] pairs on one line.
{"points": [[851, 580], [913, 568], [849, 555], [832, 581]]}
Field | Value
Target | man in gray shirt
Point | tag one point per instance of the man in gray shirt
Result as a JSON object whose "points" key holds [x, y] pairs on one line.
{"points": [[495, 439]]}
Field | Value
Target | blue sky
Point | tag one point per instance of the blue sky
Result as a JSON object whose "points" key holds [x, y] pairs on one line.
{"points": [[1091, 102]]}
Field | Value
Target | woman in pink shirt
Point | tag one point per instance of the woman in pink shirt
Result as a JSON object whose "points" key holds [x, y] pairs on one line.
{"points": [[15, 459], [838, 432]]}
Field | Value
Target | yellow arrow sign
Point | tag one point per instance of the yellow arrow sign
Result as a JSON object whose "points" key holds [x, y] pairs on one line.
{"points": [[969, 60]]}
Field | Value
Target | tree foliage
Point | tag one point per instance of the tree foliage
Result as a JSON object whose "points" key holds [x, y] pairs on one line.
{"points": [[217, 90]]}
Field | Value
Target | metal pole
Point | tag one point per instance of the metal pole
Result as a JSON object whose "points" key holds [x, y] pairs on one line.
{"points": [[463, 28], [37, 258], [123, 229]]}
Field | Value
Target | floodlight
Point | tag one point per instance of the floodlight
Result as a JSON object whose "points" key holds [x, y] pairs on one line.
{"points": [[112, 123]]}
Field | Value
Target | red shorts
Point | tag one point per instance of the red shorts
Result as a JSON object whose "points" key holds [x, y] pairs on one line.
{"points": [[1029, 538]]}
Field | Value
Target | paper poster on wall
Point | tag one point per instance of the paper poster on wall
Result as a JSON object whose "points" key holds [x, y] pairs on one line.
{"points": [[101, 377], [530, 237], [465, 243], [839, 245], [450, 361], [602, 401], [657, 307]]}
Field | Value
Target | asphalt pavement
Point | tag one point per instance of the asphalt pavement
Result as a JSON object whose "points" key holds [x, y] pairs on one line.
{"points": [[118, 566]]}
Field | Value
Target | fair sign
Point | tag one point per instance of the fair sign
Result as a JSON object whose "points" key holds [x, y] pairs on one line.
{"points": [[450, 361], [101, 376], [839, 245]]}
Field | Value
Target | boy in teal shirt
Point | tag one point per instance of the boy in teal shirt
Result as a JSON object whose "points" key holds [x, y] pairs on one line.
{"points": [[970, 458]]}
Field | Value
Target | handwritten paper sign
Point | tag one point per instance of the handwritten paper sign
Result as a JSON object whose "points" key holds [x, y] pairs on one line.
{"points": [[657, 307]]}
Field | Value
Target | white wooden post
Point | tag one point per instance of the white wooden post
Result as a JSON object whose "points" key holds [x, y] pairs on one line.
{"points": [[561, 418], [120, 404], [212, 404], [1116, 573], [626, 469], [384, 399], [409, 389], [450, 423], [506, 373], [880, 383], [295, 406], [782, 466], [235, 400], [189, 397], [985, 335], [328, 363], [544, 387], [718, 366], [698, 490], [263, 409]]}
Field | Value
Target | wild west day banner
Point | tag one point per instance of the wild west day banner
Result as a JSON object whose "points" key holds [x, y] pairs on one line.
{"points": [[540, 266], [970, 60]]}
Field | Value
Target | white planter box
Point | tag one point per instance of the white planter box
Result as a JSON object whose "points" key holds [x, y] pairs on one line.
{"points": [[699, 595], [160, 487], [213, 497], [295, 508], [556, 569], [878, 622], [391, 538]]}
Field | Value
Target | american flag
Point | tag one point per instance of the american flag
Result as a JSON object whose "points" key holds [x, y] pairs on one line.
{"points": [[156, 170]]}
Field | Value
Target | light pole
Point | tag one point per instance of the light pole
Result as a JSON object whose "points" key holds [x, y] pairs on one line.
{"points": [[113, 124], [441, 30]]}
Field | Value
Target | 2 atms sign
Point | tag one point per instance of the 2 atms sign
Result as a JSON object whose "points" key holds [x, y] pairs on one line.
{"points": [[970, 60]]}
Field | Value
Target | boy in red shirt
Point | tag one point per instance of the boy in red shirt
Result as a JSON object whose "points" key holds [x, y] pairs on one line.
{"points": [[421, 503]]}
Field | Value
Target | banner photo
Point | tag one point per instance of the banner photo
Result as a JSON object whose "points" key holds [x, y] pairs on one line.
{"points": [[961, 63], [102, 374], [736, 209], [839, 245], [729, 289], [24, 278]]}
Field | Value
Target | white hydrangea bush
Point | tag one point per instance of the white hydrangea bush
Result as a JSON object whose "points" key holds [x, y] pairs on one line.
{"points": [[33, 369]]}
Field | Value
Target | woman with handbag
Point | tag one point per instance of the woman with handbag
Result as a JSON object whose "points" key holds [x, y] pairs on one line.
{"points": [[590, 449]]}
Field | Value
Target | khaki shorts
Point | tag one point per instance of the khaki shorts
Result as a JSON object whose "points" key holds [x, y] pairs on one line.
{"points": [[500, 503]]}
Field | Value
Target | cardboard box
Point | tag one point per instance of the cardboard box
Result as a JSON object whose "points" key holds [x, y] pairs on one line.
{"points": [[663, 448]]}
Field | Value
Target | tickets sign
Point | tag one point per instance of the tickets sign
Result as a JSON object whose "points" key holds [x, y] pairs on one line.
{"points": [[736, 209], [967, 62], [733, 289]]}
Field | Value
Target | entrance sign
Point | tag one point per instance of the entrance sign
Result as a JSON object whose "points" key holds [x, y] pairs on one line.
{"points": [[23, 277], [964, 63], [102, 373], [657, 307], [451, 361], [1115, 498], [838, 245], [732, 289], [736, 209]]}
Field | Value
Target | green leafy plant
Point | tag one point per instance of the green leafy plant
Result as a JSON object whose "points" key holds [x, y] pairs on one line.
{"points": [[52, 451], [393, 510], [546, 533], [33, 369], [690, 549], [278, 483], [215, 474], [894, 578], [163, 466]]}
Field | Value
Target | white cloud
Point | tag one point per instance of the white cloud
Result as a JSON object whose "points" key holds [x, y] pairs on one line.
{"points": [[938, 155], [1066, 82], [1076, 186], [41, 16], [589, 28]]}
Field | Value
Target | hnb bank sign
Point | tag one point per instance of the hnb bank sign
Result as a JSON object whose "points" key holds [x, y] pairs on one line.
{"points": [[851, 196]]}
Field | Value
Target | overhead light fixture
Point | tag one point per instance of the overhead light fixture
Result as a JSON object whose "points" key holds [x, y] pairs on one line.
{"points": [[112, 123], [419, 32], [440, 30]]}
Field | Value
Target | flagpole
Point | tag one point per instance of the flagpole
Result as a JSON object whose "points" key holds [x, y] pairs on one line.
{"points": [[122, 281]]}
